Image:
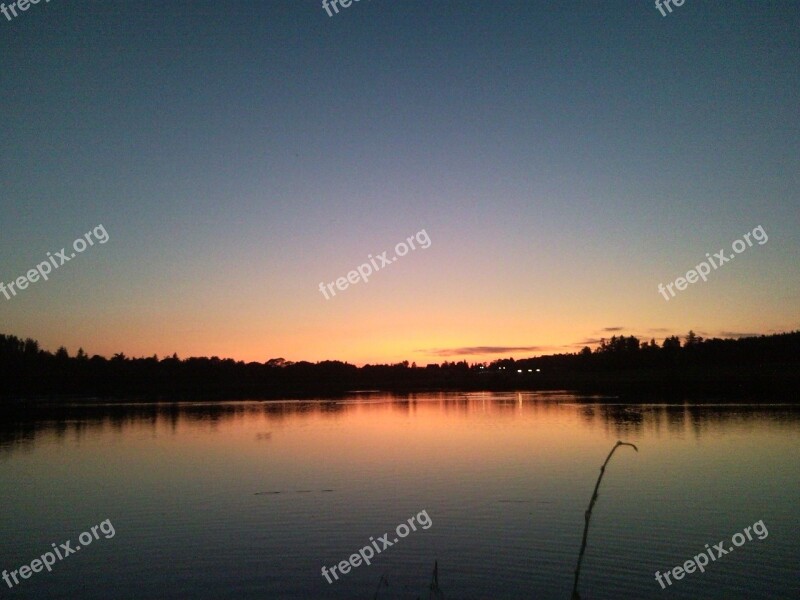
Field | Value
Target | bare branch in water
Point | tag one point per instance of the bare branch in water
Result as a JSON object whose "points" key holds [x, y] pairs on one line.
{"points": [[381, 582], [588, 516], [434, 587]]}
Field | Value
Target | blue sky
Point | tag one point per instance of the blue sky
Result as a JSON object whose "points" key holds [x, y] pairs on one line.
{"points": [[564, 157]]}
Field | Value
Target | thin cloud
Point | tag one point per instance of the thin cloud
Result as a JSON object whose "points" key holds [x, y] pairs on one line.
{"points": [[470, 350], [585, 343], [737, 335], [613, 328]]}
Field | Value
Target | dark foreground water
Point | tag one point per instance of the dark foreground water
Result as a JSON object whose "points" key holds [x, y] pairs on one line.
{"points": [[251, 500]]}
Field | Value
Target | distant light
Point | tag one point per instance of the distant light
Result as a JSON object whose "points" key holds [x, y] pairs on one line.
{"points": [[530, 370], [537, 370], [519, 370]]}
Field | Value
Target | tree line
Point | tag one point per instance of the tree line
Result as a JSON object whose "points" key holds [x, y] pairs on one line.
{"points": [[758, 366]]}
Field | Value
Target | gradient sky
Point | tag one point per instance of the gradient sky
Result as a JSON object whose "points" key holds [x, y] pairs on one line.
{"points": [[563, 157]]}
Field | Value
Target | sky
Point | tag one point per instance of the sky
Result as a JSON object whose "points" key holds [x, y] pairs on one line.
{"points": [[562, 159]]}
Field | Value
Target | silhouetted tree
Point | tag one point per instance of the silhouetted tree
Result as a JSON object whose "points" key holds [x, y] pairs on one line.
{"points": [[757, 366], [671, 343], [692, 339]]}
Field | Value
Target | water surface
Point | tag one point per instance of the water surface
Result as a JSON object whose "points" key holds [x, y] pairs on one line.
{"points": [[252, 499]]}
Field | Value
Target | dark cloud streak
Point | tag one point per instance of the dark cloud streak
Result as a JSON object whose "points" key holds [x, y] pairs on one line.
{"points": [[737, 335], [470, 350]]}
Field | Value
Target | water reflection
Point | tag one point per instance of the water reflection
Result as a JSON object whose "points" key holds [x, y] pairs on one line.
{"points": [[680, 419], [21, 425], [284, 487]]}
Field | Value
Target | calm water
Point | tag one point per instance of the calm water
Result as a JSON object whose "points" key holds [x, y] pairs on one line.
{"points": [[251, 499]]}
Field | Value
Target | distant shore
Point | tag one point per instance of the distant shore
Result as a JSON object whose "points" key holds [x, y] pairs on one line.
{"points": [[754, 369]]}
